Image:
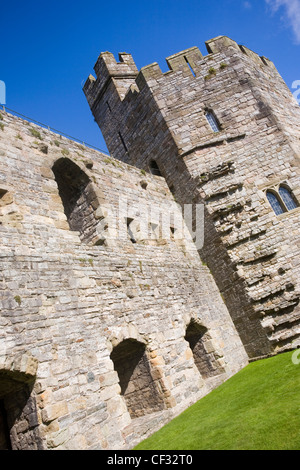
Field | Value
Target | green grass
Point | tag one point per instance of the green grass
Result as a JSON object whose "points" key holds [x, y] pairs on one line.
{"points": [[257, 409]]}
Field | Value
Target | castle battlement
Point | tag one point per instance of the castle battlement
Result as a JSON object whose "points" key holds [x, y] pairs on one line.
{"points": [[107, 69], [126, 77]]}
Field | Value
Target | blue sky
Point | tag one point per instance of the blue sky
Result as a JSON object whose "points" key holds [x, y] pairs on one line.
{"points": [[49, 48]]}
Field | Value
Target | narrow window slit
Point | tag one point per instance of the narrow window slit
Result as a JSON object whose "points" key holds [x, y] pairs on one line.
{"points": [[123, 142], [212, 121], [108, 105]]}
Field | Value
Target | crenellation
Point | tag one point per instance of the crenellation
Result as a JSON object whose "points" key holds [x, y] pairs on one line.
{"points": [[221, 44], [124, 74], [185, 60], [107, 66]]}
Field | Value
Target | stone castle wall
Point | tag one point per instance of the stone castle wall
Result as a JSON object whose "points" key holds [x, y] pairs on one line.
{"points": [[149, 115], [106, 333]]}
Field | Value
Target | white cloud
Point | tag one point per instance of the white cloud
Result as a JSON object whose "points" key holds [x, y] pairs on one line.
{"points": [[292, 13], [247, 5]]}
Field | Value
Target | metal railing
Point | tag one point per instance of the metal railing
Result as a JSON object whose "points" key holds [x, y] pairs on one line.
{"points": [[49, 128]]}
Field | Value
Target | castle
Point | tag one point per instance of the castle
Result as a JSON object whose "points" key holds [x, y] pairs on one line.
{"points": [[115, 314]]}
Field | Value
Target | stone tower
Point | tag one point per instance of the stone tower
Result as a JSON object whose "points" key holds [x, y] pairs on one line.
{"points": [[223, 130]]}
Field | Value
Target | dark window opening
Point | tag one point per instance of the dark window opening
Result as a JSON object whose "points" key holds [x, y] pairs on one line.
{"points": [[136, 382], [172, 231], [154, 169]]}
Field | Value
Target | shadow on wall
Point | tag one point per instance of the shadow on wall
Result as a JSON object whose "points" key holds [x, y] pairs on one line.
{"points": [[136, 382], [78, 197], [19, 427], [199, 340]]}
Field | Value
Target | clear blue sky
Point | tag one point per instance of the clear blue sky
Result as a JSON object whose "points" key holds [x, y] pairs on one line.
{"points": [[49, 48]]}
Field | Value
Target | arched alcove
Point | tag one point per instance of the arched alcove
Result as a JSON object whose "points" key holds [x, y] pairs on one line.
{"points": [[78, 197], [19, 425], [18, 416], [197, 336], [136, 382]]}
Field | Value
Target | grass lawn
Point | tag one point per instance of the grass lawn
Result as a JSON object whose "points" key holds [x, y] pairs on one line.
{"points": [[257, 409]]}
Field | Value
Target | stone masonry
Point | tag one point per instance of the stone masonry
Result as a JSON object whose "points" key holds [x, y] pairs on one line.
{"points": [[114, 318], [107, 331], [223, 130]]}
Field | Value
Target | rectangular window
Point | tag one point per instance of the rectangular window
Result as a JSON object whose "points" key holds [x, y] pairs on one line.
{"points": [[212, 122]]}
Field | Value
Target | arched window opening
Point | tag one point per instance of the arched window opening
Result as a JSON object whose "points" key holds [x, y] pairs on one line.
{"points": [[212, 121], [287, 198], [154, 169], [136, 382], [78, 197], [275, 202], [205, 361]]}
